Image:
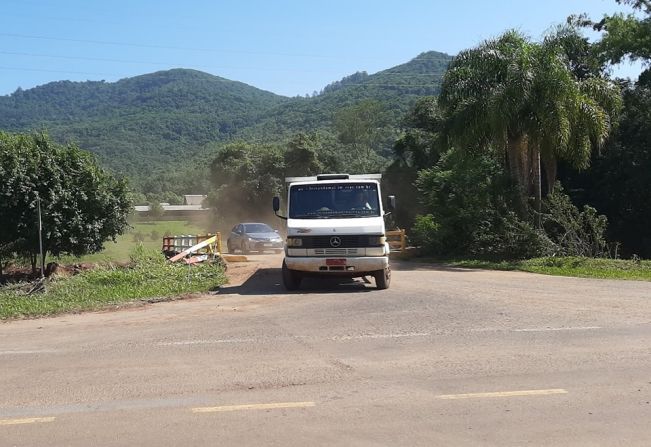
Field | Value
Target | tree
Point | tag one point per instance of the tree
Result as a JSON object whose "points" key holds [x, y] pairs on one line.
{"points": [[245, 177], [156, 210], [469, 200], [618, 182], [623, 35], [362, 126], [82, 205], [301, 157], [419, 147], [422, 140], [521, 98]]}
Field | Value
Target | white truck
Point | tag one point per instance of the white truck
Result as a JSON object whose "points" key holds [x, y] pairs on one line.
{"points": [[335, 227]]}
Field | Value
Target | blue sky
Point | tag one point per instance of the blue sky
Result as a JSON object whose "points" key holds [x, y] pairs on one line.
{"points": [[284, 46]]}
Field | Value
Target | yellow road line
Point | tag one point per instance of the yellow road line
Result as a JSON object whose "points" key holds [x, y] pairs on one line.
{"points": [[253, 407], [25, 421], [503, 394]]}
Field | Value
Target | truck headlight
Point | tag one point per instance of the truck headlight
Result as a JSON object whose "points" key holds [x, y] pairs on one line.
{"points": [[294, 242], [376, 241]]}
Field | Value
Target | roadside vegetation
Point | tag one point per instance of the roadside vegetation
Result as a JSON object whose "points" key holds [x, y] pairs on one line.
{"points": [[147, 276], [80, 204], [570, 266]]}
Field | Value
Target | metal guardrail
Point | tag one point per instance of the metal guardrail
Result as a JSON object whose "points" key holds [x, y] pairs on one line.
{"points": [[397, 239]]}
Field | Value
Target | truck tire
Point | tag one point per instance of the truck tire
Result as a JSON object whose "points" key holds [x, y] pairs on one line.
{"points": [[291, 279], [383, 278]]}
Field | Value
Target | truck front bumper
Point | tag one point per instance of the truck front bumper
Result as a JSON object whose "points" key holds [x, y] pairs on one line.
{"points": [[349, 266]]}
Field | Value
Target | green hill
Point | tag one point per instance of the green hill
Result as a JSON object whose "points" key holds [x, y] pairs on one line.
{"points": [[397, 88], [140, 124]]}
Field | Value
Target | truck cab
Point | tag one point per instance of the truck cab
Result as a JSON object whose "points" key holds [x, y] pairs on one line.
{"points": [[335, 227]]}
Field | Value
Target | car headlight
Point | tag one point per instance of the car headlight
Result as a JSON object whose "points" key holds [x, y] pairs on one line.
{"points": [[294, 242], [376, 240]]}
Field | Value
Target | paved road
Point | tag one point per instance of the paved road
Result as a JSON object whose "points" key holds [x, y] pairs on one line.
{"points": [[444, 357]]}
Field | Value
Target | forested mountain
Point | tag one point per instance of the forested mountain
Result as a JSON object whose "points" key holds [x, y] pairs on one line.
{"points": [[155, 120], [138, 122], [397, 88]]}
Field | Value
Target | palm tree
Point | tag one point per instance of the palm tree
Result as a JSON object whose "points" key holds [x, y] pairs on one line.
{"points": [[521, 97]]}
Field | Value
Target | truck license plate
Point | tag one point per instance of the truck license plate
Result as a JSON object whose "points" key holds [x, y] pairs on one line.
{"points": [[335, 262]]}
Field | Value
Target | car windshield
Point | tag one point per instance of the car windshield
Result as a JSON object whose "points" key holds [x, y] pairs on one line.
{"points": [[334, 200], [257, 228]]}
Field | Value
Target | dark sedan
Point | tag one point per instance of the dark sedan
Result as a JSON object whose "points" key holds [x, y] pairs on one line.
{"points": [[254, 236]]}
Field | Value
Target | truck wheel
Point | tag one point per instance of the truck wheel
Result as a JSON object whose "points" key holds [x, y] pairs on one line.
{"points": [[382, 278], [291, 279]]}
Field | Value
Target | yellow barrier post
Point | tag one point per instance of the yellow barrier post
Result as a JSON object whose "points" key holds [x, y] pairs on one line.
{"points": [[402, 243]]}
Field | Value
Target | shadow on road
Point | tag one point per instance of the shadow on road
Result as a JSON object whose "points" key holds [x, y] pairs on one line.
{"points": [[268, 281]]}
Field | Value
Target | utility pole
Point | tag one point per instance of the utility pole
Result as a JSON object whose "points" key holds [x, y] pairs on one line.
{"points": [[40, 236]]}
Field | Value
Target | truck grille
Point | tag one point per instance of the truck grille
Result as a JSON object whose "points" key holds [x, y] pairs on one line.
{"points": [[344, 241], [336, 251]]}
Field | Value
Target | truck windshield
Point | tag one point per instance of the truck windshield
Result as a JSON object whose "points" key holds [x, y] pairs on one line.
{"points": [[333, 200]]}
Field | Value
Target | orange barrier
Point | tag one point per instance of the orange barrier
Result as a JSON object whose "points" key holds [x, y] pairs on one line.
{"points": [[397, 239]]}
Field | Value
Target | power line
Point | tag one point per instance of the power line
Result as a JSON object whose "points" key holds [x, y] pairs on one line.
{"points": [[31, 18], [206, 67], [166, 64], [55, 71], [164, 47], [172, 47]]}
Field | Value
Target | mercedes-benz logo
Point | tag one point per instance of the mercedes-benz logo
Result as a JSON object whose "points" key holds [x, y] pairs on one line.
{"points": [[335, 241]]}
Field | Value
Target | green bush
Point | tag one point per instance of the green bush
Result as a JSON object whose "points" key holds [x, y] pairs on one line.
{"points": [[470, 200], [470, 203]]}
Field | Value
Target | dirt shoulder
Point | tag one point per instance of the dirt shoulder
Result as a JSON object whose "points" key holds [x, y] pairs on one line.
{"points": [[238, 272]]}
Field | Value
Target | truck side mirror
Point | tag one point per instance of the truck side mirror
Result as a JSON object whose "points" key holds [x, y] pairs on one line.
{"points": [[391, 203], [276, 206]]}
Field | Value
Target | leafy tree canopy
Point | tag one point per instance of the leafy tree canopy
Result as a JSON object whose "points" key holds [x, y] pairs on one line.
{"points": [[522, 98], [82, 205], [623, 35]]}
